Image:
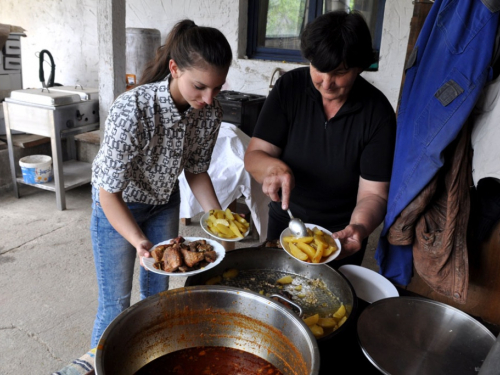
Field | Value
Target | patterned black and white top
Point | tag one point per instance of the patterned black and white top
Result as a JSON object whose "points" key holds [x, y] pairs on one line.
{"points": [[148, 142]]}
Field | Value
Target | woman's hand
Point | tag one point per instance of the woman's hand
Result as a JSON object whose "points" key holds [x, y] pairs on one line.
{"points": [[143, 250], [263, 163], [279, 180], [351, 238]]}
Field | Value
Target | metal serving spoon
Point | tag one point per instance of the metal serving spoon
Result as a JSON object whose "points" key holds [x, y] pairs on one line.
{"points": [[296, 226]]}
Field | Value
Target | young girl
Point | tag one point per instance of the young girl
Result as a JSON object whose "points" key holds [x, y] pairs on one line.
{"points": [[167, 124]]}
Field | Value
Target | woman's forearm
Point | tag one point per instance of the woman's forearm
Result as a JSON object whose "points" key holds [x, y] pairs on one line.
{"points": [[261, 165], [371, 205], [369, 213], [203, 190], [120, 217]]}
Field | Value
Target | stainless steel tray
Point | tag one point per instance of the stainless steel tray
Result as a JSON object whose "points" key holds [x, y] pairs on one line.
{"points": [[44, 97]]}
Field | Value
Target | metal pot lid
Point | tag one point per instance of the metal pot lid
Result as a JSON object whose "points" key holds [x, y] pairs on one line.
{"points": [[47, 97], [411, 335], [86, 93]]}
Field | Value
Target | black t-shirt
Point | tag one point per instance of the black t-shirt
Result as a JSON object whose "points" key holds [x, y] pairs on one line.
{"points": [[327, 157]]}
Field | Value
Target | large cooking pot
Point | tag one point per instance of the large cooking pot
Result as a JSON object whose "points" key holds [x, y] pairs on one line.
{"points": [[206, 316], [260, 267]]}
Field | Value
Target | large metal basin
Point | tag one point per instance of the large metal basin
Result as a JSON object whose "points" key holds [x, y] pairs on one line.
{"points": [[275, 263], [206, 316]]}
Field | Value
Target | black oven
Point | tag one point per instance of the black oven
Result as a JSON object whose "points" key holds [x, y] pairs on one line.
{"points": [[241, 109]]}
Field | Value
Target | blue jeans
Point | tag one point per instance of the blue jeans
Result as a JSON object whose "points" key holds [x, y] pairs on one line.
{"points": [[114, 257]]}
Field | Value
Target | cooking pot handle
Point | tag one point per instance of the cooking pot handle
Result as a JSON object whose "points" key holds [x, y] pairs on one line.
{"points": [[301, 313]]}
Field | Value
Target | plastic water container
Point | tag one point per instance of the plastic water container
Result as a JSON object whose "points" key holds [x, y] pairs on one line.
{"points": [[37, 169]]}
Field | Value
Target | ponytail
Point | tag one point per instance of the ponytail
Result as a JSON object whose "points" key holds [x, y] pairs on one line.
{"points": [[190, 46]]}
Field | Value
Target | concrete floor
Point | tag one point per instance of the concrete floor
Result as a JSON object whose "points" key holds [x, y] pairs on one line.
{"points": [[48, 291]]}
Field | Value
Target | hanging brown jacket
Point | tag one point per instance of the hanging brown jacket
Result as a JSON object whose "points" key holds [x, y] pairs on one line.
{"points": [[435, 223]]}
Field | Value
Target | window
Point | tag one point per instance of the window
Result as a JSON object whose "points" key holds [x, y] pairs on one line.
{"points": [[275, 26]]}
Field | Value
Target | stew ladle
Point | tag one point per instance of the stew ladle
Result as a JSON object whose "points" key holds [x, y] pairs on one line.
{"points": [[296, 226]]}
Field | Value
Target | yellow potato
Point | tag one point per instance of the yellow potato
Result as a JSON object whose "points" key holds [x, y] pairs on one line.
{"points": [[319, 239], [319, 253], [317, 231], [309, 250], [224, 230], [326, 322], [342, 321], [316, 330], [312, 320], [235, 229], [329, 251], [241, 220], [340, 313], [212, 229], [298, 239], [222, 221], [241, 226], [228, 214], [297, 253], [285, 280], [230, 273]]}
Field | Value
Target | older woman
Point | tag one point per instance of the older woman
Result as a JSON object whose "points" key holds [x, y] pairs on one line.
{"points": [[324, 141]]}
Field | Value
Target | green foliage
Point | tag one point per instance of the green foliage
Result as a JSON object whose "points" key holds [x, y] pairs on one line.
{"points": [[285, 18]]}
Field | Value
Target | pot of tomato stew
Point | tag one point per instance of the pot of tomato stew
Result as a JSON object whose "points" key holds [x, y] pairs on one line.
{"points": [[207, 329]]}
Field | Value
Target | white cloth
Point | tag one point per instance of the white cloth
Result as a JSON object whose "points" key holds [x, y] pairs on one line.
{"points": [[230, 179], [485, 138]]}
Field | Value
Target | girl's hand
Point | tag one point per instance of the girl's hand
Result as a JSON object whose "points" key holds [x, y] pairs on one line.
{"points": [[143, 250]]}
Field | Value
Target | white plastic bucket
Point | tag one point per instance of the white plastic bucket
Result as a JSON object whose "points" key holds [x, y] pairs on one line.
{"points": [[37, 169]]}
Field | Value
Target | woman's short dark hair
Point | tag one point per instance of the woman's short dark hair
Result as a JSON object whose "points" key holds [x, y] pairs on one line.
{"points": [[190, 46], [336, 38]]}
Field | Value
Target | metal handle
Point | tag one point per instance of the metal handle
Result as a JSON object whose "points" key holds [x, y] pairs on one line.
{"points": [[290, 213], [301, 313]]}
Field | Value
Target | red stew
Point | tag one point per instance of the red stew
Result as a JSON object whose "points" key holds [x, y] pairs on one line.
{"points": [[209, 360]]}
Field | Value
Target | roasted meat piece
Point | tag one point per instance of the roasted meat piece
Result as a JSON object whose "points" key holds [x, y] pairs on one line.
{"points": [[179, 239], [210, 256], [191, 258], [172, 259], [157, 252], [204, 247]]}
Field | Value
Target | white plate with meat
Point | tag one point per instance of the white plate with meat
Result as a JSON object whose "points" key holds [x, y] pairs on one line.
{"points": [[175, 257]]}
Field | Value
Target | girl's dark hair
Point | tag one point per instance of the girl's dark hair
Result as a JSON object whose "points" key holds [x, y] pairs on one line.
{"points": [[336, 38], [189, 46]]}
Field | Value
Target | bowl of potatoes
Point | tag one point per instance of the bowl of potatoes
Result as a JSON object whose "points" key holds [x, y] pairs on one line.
{"points": [[317, 247], [225, 225]]}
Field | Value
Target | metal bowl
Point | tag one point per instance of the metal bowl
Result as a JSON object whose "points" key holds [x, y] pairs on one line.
{"points": [[412, 335], [206, 316]]}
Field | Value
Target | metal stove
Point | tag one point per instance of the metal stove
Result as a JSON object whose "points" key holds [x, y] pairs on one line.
{"points": [[241, 109], [59, 113]]}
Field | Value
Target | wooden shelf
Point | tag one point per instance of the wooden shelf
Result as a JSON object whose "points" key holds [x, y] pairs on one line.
{"points": [[76, 173]]}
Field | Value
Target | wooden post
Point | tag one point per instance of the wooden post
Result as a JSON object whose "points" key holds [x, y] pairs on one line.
{"points": [[111, 34]]}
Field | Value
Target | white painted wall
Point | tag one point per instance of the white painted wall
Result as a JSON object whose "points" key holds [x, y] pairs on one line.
{"points": [[68, 29]]}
